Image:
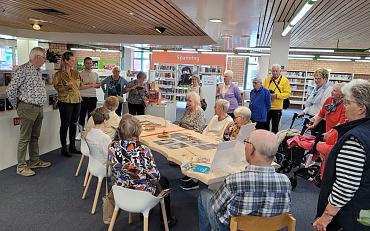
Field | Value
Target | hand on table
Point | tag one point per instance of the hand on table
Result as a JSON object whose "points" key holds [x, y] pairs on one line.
{"points": [[322, 222]]}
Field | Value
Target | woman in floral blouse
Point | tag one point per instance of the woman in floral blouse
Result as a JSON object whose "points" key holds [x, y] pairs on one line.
{"points": [[193, 118], [133, 164]]}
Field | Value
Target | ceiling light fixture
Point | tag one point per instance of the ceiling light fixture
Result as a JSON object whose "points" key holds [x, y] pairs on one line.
{"points": [[182, 51], [188, 49], [37, 20], [36, 26], [301, 56], [301, 12], [253, 48], [339, 57], [311, 50], [205, 50], [367, 57], [219, 52], [363, 60], [215, 20], [81, 49], [160, 30], [340, 60], [109, 51]]}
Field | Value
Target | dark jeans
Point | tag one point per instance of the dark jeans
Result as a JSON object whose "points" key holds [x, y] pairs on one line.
{"points": [[69, 113], [119, 109], [136, 109], [274, 116], [88, 104]]}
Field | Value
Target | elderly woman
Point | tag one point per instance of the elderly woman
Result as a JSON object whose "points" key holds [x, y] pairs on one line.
{"points": [[67, 82], [242, 117], [260, 104], [133, 164], [195, 86], [346, 182], [96, 138], [111, 125], [193, 117], [317, 98], [220, 121], [230, 92], [113, 86], [136, 94]]}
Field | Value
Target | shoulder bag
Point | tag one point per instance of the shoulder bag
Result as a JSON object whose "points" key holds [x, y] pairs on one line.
{"points": [[286, 102]]}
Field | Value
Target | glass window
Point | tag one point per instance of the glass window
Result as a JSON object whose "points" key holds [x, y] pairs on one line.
{"points": [[252, 72], [137, 65], [6, 58], [137, 55]]}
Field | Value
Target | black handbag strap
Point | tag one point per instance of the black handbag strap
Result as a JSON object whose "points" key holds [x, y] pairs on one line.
{"points": [[277, 85]]}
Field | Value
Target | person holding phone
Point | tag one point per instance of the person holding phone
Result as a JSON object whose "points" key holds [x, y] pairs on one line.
{"points": [[136, 99]]}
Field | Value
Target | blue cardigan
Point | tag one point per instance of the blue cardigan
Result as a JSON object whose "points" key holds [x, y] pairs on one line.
{"points": [[260, 104]]}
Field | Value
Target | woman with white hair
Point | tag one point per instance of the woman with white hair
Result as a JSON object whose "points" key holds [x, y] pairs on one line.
{"points": [[230, 92], [220, 120], [260, 104], [193, 118], [242, 117], [113, 86], [345, 187]]}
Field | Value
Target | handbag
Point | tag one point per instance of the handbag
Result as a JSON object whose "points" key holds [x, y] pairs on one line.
{"points": [[108, 201], [203, 104], [286, 102]]}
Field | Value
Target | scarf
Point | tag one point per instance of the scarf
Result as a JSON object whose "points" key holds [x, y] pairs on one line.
{"points": [[333, 106]]}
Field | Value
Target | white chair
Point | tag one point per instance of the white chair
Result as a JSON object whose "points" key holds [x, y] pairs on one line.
{"points": [[85, 152], [135, 201], [95, 168]]}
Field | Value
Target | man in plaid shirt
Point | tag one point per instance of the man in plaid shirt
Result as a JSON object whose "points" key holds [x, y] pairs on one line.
{"points": [[257, 191]]}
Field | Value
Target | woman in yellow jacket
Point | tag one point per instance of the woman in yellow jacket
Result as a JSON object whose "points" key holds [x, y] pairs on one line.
{"points": [[279, 87]]}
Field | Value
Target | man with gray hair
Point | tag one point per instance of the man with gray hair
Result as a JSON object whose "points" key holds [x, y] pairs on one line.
{"points": [[26, 92], [256, 191]]}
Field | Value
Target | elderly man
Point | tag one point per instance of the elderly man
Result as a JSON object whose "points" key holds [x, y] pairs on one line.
{"points": [[257, 191], [260, 104], [279, 88], [91, 81], [26, 92]]}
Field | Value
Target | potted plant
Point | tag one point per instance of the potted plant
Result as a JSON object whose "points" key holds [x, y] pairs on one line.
{"points": [[52, 58]]}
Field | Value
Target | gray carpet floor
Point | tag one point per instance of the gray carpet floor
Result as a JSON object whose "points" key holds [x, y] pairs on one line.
{"points": [[51, 200]]}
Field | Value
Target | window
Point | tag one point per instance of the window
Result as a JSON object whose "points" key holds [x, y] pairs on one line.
{"points": [[6, 58], [252, 72], [141, 61]]}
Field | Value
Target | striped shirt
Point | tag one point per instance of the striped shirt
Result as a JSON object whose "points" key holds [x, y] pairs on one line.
{"points": [[348, 170], [257, 191]]}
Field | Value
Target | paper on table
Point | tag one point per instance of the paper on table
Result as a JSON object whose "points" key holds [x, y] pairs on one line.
{"points": [[245, 131], [227, 153]]}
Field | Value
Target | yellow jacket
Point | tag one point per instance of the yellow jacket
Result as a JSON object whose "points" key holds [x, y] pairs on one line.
{"points": [[284, 85]]}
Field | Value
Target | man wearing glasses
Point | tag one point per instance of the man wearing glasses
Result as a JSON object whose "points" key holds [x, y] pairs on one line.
{"points": [[257, 191], [26, 92], [279, 88]]}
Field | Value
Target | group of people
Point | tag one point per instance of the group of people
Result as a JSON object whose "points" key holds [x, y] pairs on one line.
{"points": [[115, 141]]}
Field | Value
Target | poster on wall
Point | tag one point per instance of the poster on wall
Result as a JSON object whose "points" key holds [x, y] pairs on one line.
{"points": [[185, 74], [98, 64]]}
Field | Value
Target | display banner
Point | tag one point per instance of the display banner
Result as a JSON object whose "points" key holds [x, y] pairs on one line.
{"points": [[188, 58]]}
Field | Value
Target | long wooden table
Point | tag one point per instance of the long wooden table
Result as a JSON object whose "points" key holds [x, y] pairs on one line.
{"points": [[194, 153]]}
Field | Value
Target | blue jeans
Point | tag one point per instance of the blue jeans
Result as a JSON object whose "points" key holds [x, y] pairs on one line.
{"points": [[207, 216]]}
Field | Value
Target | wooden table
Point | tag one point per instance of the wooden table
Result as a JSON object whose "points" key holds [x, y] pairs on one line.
{"points": [[180, 155]]}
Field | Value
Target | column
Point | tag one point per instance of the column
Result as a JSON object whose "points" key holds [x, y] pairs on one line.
{"points": [[24, 46], [279, 46]]}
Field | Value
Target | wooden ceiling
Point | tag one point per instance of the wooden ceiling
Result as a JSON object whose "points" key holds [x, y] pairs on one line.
{"points": [[330, 23], [129, 17]]}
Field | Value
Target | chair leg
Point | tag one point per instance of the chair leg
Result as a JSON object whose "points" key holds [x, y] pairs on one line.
{"points": [[79, 165], [129, 218], [113, 220], [87, 187], [97, 192], [86, 177], [146, 221], [164, 214]]}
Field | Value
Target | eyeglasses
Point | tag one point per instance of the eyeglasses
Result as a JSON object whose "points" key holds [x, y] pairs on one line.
{"points": [[348, 101], [317, 78], [246, 141]]}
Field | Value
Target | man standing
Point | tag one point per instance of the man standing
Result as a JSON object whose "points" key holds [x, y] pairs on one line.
{"points": [[27, 93], [90, 80], [257, 191], [279, 88]]}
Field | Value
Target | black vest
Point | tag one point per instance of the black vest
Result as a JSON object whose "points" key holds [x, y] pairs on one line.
{"points": [[347, 215]]}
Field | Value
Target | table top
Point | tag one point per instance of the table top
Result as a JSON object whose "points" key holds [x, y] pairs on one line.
{"points": [[181, 146]]}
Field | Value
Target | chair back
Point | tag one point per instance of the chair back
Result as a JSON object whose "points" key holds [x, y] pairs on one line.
{"points": [[84, 147], [134, 201], [255, 223], [96, 168]]}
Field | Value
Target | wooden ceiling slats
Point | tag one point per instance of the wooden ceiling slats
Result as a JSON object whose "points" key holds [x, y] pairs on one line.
{"points": [[321, 32]]}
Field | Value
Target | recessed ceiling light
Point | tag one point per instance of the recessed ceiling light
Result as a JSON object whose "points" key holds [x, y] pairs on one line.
{"points": [[130, 13], [215, 20], [160, 30], [36, 26], [226, 36], [37, 20]]}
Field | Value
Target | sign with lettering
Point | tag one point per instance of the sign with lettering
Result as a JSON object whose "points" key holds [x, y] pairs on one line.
{"points": [[188, 58]]}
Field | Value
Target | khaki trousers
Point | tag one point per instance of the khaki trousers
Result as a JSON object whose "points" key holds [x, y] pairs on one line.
{"points": [[30, 127]]}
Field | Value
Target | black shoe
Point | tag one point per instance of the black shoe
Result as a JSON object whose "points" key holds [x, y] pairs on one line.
{"points": [[74, 150], [190, 185], [65, 153], [185, 179]]}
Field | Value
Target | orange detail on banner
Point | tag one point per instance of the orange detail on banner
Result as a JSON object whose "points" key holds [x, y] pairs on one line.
{"points": [[188, 58]]}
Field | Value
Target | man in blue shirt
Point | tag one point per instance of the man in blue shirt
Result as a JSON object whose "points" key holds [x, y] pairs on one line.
{"points": [[260, 104]]}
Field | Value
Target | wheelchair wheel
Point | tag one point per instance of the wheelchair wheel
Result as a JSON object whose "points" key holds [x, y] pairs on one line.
{"points": [[279, 157], [285, 166], [313, 171]]}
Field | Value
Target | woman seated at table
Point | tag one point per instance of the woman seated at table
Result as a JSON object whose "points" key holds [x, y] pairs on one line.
{"points": [[111, 103], [133, 164], [242, 116], [193, 118], [97, 140], [220, 120]]}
